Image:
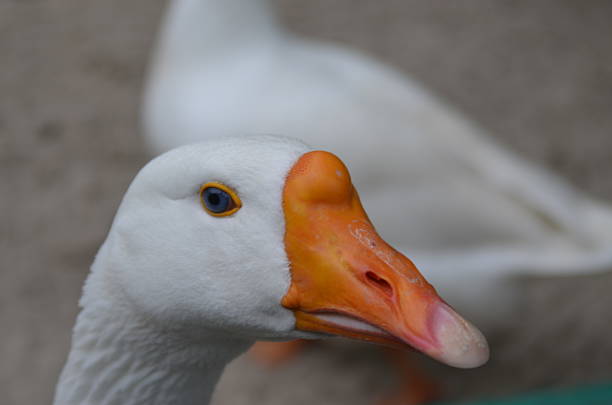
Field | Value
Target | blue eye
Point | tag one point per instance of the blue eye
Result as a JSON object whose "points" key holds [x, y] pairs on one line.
{"points": [[219, 200], [216, 200]]}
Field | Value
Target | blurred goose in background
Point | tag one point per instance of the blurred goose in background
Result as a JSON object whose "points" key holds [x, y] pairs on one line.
{"points": [[474, 215], [221, 243]]}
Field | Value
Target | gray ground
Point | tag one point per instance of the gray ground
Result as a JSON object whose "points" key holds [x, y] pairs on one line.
{"points": [[538, 75]]}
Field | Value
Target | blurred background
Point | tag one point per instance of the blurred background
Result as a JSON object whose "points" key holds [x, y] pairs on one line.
{"points": [[536, 75]]}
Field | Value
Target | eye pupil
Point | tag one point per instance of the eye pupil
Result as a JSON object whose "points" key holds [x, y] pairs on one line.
{"points": [[214, 199]]}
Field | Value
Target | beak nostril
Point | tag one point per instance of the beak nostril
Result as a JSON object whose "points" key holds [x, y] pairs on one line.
{"points": [[379, 282]]}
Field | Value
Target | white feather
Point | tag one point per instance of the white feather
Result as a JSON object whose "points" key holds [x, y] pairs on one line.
{"points": [[174, 293], [472, 215]]}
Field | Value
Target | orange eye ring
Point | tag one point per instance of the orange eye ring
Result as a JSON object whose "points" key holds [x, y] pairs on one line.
{"points": [[218, 200]]}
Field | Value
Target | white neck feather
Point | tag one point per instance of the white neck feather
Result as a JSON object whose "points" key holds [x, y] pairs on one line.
{"points": [[204, 29], [117, 358]]}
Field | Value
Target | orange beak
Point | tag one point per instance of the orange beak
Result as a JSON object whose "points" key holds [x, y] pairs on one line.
{"points": [[347, 281]]}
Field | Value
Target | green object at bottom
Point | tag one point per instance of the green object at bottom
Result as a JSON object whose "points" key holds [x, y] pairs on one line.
{"points": [[600, 394]]}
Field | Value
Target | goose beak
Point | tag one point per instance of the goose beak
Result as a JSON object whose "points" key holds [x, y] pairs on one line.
{"points": [[347, 281]]}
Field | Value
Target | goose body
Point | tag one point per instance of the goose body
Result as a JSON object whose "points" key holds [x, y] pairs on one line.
{"points": [[184, 283], [473, 214]]}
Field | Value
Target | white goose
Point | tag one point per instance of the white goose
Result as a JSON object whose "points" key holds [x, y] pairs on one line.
{"points": [[218, 244], [474, 215]]}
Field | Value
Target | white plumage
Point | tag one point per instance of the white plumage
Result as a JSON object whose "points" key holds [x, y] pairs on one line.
{"points": [[174, 294], [472, 215]]}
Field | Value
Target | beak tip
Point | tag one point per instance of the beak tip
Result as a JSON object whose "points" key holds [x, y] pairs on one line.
{"points": [[462, 345]]}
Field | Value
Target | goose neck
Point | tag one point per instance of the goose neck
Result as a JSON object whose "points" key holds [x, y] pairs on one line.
{"points": [[201, 28], [119, 359]]}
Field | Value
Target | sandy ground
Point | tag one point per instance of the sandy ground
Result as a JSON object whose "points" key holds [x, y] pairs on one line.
{"points": [[538, 75]]}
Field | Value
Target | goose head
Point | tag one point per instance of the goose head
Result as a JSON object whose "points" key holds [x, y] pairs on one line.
{"points": [[263, 238]]}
